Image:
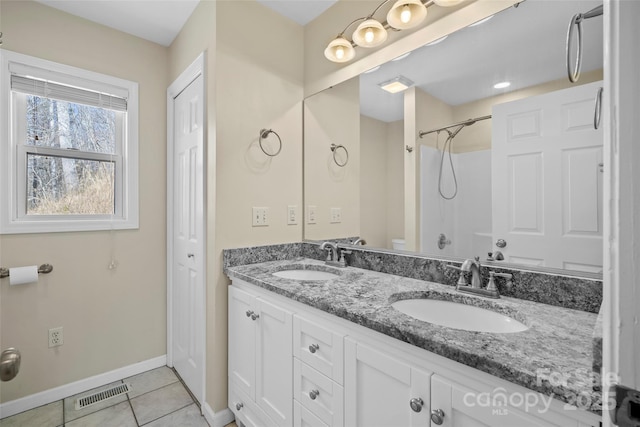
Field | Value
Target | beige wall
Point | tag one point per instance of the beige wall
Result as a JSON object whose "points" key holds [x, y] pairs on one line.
{"points": [[254, 81], [373, 181], [111, 318], [332, 117], [381, 182]]}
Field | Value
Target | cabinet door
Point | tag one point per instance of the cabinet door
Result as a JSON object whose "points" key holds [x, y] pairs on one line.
{"points": [[242, 341], [465, 407], [274, 353], [379, 389]]}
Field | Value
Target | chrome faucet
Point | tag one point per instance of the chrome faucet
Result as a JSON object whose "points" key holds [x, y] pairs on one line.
{"points": [[335, 254], [359, 241], [473, 265], [332, 251]]}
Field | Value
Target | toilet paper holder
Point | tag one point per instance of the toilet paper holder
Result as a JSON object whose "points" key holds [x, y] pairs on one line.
{"points": [[43, 269]]}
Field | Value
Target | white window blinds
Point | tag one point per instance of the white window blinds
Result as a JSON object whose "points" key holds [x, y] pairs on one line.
{"points": [[62, 92]]}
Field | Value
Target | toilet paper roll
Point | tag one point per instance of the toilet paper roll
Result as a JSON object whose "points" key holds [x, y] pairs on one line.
{"points": [[22, 275]]}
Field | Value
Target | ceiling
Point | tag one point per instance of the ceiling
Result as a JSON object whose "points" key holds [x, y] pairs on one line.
{"points": [[523, 45], [160, 21]]}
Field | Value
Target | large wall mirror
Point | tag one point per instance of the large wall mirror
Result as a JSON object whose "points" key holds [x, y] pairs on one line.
{"points": [[521, 180]]}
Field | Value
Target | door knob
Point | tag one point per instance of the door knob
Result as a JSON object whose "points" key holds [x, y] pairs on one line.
{"points": [[239, 406], [254, 316], [313, 394], [190, 256], [9, 364], [437, 416], [416, 404], [313, 348], [249, 313]]}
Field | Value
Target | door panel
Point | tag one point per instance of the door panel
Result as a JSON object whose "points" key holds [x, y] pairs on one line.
{"points": [[188, 299], [547, 180]]}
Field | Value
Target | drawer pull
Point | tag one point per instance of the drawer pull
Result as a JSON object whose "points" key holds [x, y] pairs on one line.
{"points": [[249, 313], [314, 347], [416, 404], [313, 394], [255, 316], [437, 416], [239, 405]]}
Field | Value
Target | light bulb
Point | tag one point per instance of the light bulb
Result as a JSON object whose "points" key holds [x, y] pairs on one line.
{"points": [[368, 35], [405, 15], [340, 52]]}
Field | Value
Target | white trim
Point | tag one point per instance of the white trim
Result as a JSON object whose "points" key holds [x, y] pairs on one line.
{"points": [[217, 419], [17, 406], [192, 72], [128, 211]]}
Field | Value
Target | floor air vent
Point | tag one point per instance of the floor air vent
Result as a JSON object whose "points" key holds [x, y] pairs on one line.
{"points": [[92, 399]]}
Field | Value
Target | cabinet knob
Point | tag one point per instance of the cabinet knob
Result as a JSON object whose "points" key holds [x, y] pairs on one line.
{"points": [[416, 404], [437, 416], [314, 347], [249, 313], [313, 394], [254, 316], [239, 405]]}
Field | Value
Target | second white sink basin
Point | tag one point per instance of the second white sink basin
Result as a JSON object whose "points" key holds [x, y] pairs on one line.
{"points": [[305, 275], [458, 316]]}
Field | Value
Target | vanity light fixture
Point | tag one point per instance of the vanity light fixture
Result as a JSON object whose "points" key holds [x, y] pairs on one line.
{"points": [[370, 32], [436, 41], [401, 57], [502, 85], [396, 84], [482, 21]]}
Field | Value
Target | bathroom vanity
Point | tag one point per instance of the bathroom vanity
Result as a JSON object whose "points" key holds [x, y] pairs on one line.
{"points": [[330, 349]]}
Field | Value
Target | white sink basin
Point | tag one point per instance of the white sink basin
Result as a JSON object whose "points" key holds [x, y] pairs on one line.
{"points": [[305, 275], [458, 316]]}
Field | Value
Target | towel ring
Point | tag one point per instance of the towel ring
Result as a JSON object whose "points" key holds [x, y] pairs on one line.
{"points": [[574, 72], [264, 133], [334, 148]]}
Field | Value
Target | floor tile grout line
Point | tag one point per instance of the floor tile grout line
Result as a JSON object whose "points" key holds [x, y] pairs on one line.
{"points": [[135, 418], [187, 388], [165, 415]]}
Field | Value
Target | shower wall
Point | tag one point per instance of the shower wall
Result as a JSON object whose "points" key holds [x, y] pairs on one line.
{"points": [[466, 219]]}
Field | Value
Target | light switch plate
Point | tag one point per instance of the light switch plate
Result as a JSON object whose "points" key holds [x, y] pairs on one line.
{"points": [[336, 215], [260, 217], [292, 215], [311, 215]]}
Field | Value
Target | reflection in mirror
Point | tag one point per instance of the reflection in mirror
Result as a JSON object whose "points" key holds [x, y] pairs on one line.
{"points": [[529, 176]]}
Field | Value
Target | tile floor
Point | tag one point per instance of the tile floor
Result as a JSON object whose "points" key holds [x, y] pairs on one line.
{"points": [[157, 399]]}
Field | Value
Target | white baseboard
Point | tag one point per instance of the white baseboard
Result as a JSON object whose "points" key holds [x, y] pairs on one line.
{"points": [[13, 407], [217, 419]]}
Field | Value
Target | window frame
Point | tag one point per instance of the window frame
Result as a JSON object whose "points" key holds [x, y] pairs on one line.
{"points": [[13, 151]]}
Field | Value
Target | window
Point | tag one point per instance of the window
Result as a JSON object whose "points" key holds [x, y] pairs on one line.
{"points": [[68, 150]]}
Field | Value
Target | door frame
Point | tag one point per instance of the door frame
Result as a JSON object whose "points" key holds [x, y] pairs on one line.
{"points": [[192, 72], [621, 331]]}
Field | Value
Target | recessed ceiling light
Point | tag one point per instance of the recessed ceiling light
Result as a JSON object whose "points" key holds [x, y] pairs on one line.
{"points": [[376, 68], [401, 56], [482, 21], [502, 85], [396, 84], [436, 41]]}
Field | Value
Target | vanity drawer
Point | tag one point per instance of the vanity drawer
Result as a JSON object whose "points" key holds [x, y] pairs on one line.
{"points": [[318, 394], [304, 418], [318, 347], [246, 411]]}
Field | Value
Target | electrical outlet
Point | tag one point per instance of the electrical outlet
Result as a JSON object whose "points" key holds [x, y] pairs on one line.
{"points": [[336, 215], [311, 215], [292, 215], [56, 338], [260, 217]]}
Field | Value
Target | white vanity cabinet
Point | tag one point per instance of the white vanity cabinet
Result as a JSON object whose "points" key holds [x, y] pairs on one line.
{"points": [[382, 391], [260, 360], [294, 365]]}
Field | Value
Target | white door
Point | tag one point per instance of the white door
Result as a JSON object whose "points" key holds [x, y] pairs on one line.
{"points": [[547, 180], [188, 284]]}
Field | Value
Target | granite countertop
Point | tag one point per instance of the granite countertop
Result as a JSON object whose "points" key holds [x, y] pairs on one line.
{"points": [[554, 356]]}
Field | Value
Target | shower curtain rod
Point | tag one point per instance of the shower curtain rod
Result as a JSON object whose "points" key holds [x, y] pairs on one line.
{"points": [[468, 122]]}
